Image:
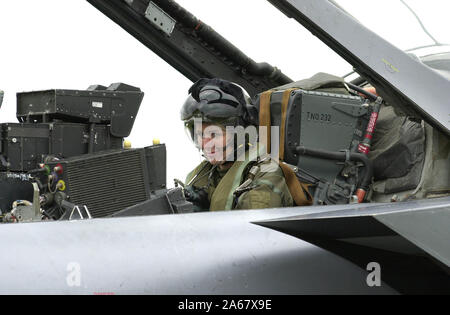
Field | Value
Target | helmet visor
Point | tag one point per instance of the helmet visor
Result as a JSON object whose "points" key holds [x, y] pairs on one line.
{"points": [[212, 103]]}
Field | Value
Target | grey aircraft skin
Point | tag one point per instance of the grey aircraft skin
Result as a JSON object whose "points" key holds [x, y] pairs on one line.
{"points": [[223, 253], [298, 250], [202, 253]]}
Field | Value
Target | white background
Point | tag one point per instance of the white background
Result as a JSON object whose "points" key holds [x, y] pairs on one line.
{"points": [[68, 44]]}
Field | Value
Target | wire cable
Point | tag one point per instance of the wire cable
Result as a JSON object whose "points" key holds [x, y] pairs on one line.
{"points": [[420, 22]]}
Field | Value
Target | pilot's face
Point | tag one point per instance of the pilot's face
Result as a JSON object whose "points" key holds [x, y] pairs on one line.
{"points": [[212, 140]]}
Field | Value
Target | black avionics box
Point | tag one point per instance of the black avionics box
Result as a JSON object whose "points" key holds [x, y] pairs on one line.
{"points": [[25, 145], [116, 106]]}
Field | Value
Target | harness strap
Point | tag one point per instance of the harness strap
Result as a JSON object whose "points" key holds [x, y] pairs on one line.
{"points": [[299, 191], [264, 116]]}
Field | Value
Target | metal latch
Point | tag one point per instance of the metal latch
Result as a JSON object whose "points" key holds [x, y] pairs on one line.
{"points": [[160, 19]]}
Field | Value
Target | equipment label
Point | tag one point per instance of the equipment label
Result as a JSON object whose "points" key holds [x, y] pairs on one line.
{"points": [[318, 116], [97, 104]]}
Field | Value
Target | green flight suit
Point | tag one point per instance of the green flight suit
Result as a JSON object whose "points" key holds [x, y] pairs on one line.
{"points": [[268, 188]]}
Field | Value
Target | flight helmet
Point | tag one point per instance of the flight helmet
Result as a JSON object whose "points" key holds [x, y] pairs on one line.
{"points": [[217, 101]]}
